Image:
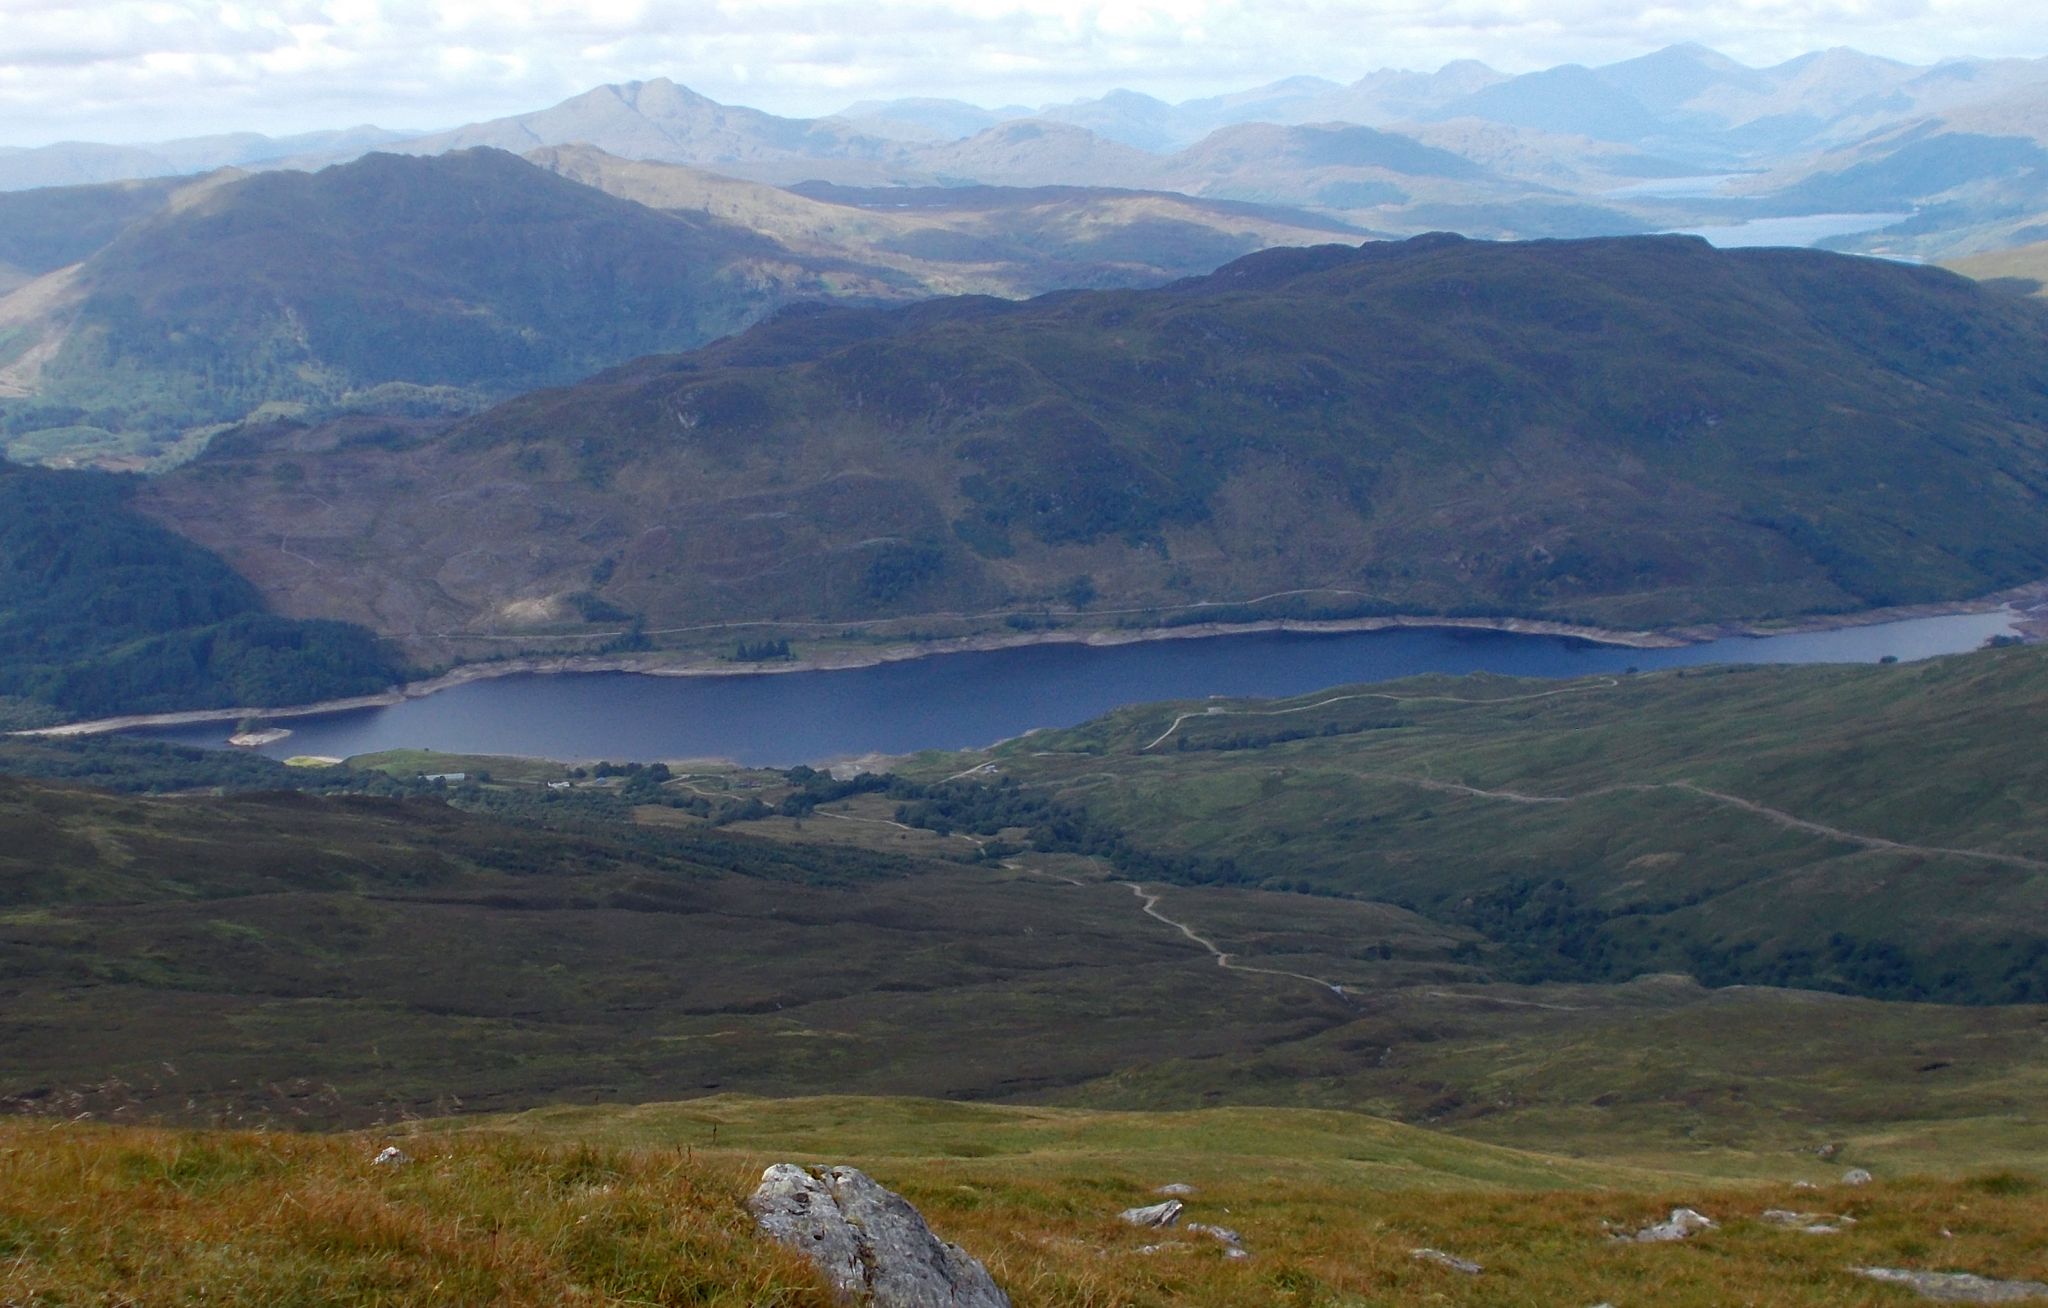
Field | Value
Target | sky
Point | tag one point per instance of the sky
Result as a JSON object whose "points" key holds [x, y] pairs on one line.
{"points": [[149, 70]]}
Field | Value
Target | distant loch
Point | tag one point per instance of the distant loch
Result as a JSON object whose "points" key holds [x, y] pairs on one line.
{"points": [[958, 701]]}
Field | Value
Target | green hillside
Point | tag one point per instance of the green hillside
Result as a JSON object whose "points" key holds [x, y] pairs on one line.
{"points": [[448, 279], [1872, 830], [953, 240], [618, 1001], [1630, 432], [398, 284], [342, 960], [658, 933], [102, 611], [48, 228]]}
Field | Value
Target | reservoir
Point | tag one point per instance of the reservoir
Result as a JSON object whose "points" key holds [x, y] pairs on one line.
{"points": [[1802, 229], [958, 701]]}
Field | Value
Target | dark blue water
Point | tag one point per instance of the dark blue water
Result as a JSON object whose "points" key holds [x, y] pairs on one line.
{"points": [[961, 700]]}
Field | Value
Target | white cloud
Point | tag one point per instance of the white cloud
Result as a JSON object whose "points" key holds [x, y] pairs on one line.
{"points": [[147, 69]]}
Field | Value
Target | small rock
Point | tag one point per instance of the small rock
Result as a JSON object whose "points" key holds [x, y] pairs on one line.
{"points": [[1827, 1152], [1957, 1287], [1857, 1176], [1232, 1242], [1804, 1185], [1810, 1223], [1442, 1259], [1683, 1224], [1176, 1190], [871, 1245], [392, 1156], [1159, 1215]]}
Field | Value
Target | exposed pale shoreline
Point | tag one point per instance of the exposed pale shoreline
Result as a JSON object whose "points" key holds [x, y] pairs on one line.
{"points": [[658, 664]]}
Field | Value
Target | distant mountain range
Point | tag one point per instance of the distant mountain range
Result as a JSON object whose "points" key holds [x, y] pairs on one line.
{"points": [[82, 163], [1561, 151], [138, 316], [1633, 432], [1699, 105]]}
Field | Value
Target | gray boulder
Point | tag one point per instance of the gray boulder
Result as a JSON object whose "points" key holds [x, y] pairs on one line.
{"points": [[1856, 1176], [1157, 1216], [1232, 1242], [1683, 1224], [871, 1245]]}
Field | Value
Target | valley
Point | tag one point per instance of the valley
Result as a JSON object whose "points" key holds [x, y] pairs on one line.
{"points": [[1404, 877], [600, 987], [720, 214], [1442, 668]]}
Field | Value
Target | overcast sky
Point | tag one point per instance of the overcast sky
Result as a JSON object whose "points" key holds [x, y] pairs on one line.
{"points": [[141, 70]]}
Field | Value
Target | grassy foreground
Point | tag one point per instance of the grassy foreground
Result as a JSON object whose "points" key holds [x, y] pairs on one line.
{"points": [[527, 1211]]}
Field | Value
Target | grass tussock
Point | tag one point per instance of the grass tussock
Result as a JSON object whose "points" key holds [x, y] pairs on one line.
{"points": [[142, 1216], [92, 1214]]}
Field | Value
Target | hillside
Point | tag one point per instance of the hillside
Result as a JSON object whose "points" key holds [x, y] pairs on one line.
{"points": [[967, 240], [533, 1213], [617, 1012], [1865, 830], [103, 611], [662, 121], [348, 959], [389, 282], [2022, 270], [147, 314], [1629, 432], [653, 933], [50, 228], [83, 163]]}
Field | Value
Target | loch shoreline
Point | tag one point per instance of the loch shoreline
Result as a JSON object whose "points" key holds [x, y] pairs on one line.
{"points": [[2029, 602]]}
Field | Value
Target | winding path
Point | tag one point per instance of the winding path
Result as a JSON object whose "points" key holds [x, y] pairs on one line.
{"points": [[1149, 902], [1604, 683], [1790, 820], [1779, 816]]}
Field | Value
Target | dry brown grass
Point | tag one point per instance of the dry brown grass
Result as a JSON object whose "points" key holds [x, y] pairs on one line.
{"points": [[97, 1215], [1328, 1245], [101, 1215]]}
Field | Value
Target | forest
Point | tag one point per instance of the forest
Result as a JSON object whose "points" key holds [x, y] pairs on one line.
{"points": [[103, 611]]}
